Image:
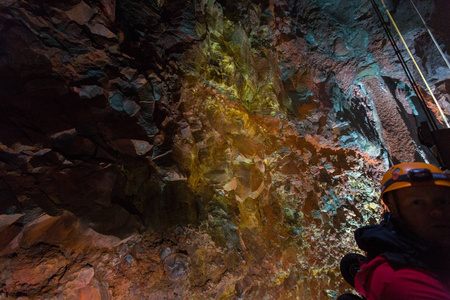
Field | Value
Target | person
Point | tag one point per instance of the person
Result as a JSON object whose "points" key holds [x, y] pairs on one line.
{"points": [[408, 253]]}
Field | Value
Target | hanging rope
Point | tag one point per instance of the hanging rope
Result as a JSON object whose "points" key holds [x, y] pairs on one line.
{"points": [[431, 35], [444, 118], [429, 115]]}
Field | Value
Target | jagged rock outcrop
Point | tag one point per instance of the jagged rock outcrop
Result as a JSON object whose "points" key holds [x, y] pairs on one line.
{"points": [[197, 149]]}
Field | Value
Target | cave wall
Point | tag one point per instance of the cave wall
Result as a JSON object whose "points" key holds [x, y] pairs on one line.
{"points": [[204, 149]]}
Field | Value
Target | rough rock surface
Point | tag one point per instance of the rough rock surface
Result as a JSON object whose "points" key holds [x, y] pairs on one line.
{"points": [[198, 149]]}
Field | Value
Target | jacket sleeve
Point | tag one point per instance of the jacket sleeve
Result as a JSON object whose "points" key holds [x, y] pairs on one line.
{"points": [[406, 283]]}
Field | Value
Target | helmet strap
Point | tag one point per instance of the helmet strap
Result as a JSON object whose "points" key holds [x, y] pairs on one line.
{"points": [[397, 208]]}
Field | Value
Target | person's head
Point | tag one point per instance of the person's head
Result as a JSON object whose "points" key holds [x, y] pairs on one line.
{"points": [[418, 197]]}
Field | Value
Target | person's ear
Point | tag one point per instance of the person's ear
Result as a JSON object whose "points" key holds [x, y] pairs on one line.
{"points": [[388, 201]]}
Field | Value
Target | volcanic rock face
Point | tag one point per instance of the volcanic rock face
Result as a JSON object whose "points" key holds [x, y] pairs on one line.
{"points": [[198, 149]]}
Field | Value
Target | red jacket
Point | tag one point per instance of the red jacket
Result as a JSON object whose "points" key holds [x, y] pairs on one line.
{"points": [[380, 279]]}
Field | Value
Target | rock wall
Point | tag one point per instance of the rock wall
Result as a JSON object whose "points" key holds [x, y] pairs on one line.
{"points": [[203, 149]]}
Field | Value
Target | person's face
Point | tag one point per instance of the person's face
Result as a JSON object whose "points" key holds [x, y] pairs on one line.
{"points": [[426, 211]]}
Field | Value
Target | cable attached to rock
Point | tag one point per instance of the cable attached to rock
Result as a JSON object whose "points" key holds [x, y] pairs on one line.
{"points": [[431, 35], [411, 80], [444, 118]]}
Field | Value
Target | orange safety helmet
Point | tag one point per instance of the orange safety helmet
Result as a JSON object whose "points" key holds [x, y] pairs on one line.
{"points": [[412, 174]]}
